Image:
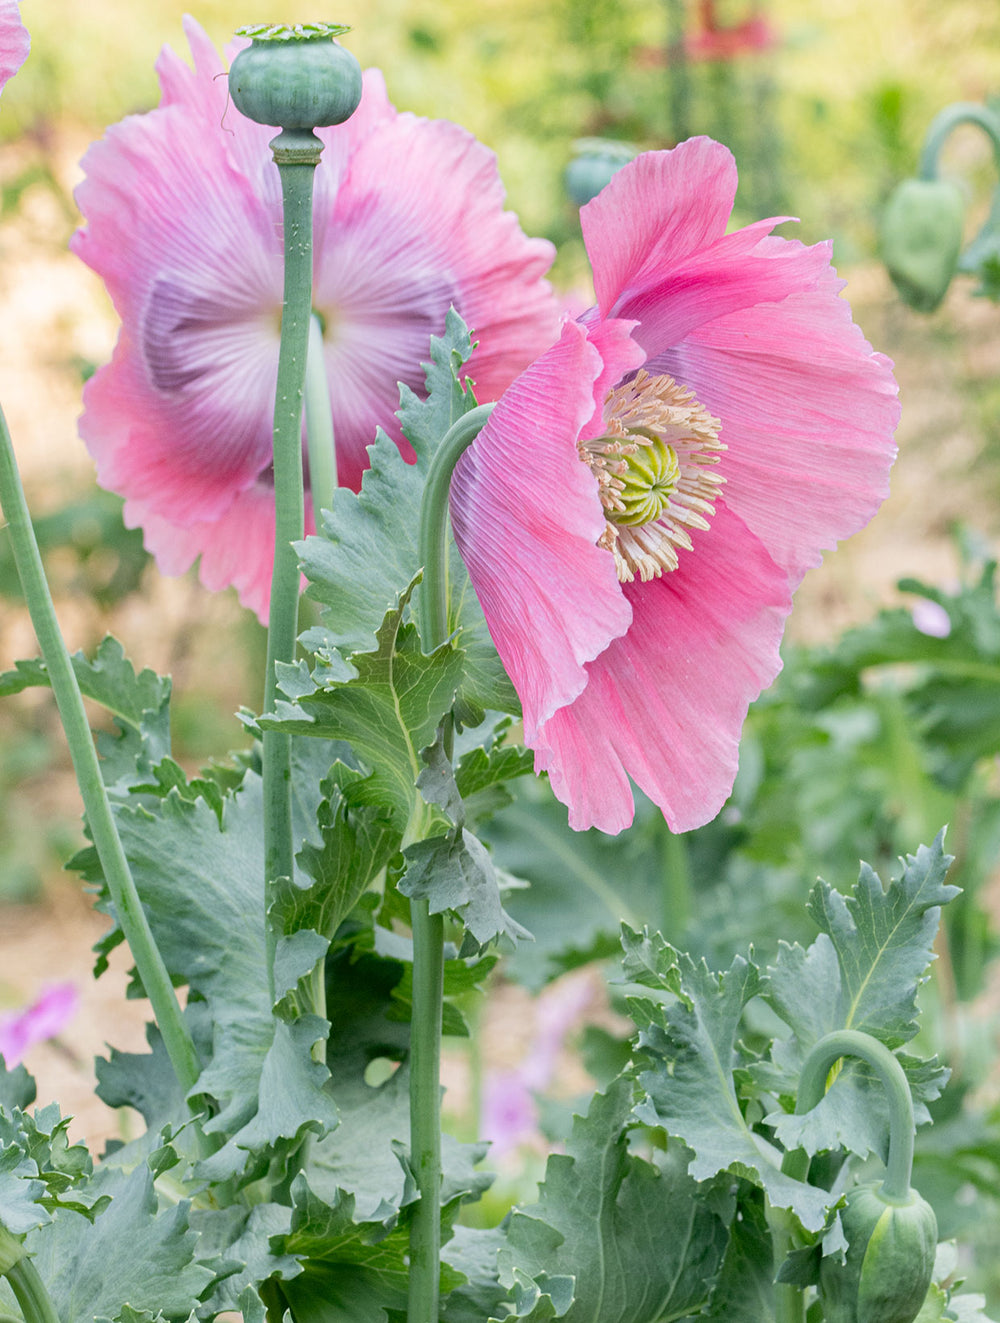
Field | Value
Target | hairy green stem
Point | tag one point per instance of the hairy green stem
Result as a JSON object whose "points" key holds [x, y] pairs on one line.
{"points": [[319, 425], [104, 832], [427, 928], [30, 1293], [296, 154], [854, 1043]]}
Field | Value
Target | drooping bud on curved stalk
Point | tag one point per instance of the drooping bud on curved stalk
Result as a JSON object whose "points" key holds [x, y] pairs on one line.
{"points": [[920, 234], [920, 238], [296, 78], [891, 1231]]}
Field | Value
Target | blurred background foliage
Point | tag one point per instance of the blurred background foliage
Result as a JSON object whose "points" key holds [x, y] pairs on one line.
{"points": [[822, 102]]}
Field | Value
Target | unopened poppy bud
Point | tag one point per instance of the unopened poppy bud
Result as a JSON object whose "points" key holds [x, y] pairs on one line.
{"points": [[920, 239], [887, 1271], [294, 76]]}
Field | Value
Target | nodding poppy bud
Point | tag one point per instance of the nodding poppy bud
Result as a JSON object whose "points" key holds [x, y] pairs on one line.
{"points": [[295, 76], [920, 238], [886, 1273]]}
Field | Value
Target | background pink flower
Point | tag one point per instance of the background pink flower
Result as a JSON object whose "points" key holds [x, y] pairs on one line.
{"points": [[47, 1016], [641, 663], [14, 41], [183, 224]]}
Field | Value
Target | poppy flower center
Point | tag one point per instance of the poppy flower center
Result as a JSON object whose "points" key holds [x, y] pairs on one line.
{"points": [[655, 471]]}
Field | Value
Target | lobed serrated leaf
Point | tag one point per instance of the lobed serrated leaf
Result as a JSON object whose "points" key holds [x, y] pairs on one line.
{"points": [[365, 1156], [353, 1266], [883, 939], [139, 704], [201, 882], [640, 1240], [132, 1253], [388, 711], [236, 1243], [691, 1088], [455, 873], [367, 550], [862, 972]]}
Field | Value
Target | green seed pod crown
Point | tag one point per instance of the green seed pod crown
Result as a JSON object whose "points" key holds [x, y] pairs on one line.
{"points": [[920, 239], [295, 76], [887, 1271]]}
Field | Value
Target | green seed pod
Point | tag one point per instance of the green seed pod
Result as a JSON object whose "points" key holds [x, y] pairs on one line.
{"points": [[295, 77], [596, 161], [920, 239], [887, 1270]]}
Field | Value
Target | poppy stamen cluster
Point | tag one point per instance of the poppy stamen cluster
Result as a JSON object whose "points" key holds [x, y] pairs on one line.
{"points": [[655, 474]]}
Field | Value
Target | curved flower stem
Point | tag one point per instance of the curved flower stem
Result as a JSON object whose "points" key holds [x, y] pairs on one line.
{"points": [[296, 154], [434, 525], [943, 124], [854, 1043], [962, 112], [319, 425], [427, 928], [789, 1300], [30, 1293], [128, 907]]}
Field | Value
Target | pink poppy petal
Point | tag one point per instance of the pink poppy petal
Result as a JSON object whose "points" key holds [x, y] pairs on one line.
{"points": [[741, 271], [186, 451], [526, 517], [384, 289], [620, 355], [665, 703], [236, 549], [658, 210], [14, 41], [808, 411], [184, 225]]}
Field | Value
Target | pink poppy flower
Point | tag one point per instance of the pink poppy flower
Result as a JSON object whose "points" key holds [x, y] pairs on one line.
{"points": [[14, 41], [644, 499], [46, 1017], [183, 216]]}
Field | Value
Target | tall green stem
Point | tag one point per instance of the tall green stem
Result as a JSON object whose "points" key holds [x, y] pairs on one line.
{"points": [[425, 1110], [296, 154], [30, 1293], [128, 907], [319, 425], [427, 928]]}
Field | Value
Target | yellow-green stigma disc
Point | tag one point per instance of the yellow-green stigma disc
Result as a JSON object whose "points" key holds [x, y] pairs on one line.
{"points": [[649, 478]]}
